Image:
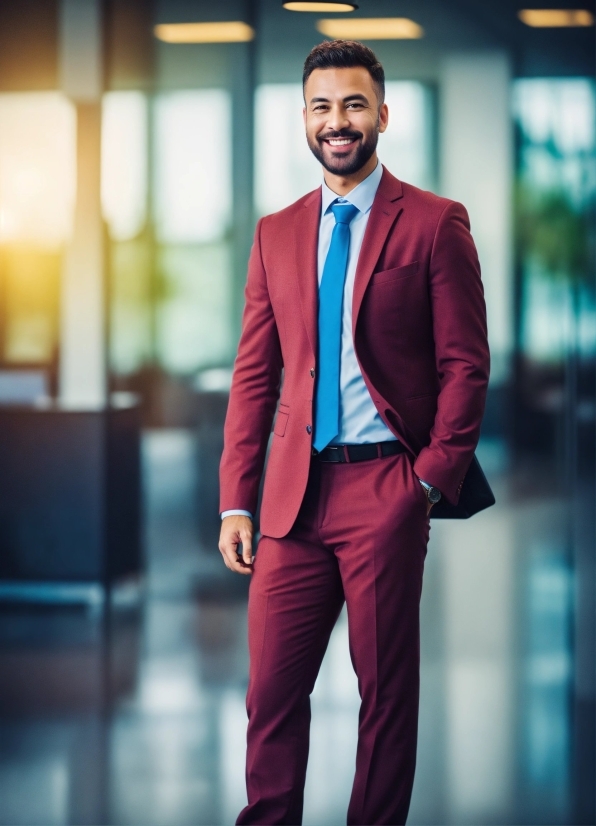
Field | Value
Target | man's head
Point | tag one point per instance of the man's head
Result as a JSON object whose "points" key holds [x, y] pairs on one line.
{"points": [[344, 91]]}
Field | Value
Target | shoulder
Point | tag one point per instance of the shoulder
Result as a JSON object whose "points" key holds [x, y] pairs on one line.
{"points": [[436, 212], [424, 199], [422, 202], [287, 214]]}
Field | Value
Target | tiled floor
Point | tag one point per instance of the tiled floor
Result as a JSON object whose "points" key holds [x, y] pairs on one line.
{"points": [[141, 720]]}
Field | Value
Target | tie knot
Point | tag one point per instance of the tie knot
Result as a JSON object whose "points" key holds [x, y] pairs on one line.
{"points": [[344, 213]]}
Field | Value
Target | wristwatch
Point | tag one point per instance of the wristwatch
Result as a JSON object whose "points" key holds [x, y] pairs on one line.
{"points": [[432, 494]]}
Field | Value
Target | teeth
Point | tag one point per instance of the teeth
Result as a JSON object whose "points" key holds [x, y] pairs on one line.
{"points": [[340, 141]]}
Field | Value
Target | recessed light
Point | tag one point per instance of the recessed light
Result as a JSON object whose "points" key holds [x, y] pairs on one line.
{"points": [[234, 31], [372, 28], [556, 18], [318, 5]]}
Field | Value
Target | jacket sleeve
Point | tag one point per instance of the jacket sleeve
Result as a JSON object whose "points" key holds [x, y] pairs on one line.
{"points": [[461, 353], [254, 392]]}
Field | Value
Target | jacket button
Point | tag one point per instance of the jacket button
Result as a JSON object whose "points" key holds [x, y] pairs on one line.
{"points": [[308, 429], [312, 372]]}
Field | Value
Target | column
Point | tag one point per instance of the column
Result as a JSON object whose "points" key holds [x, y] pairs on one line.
{"points": [[82, 373], [476, 168]]}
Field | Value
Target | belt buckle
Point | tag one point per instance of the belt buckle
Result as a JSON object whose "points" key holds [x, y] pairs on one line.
{"points": [[336, 452]]}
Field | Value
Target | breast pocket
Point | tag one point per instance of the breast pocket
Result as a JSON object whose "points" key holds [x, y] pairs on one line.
{"points": [[394, 274], [281, 420]]}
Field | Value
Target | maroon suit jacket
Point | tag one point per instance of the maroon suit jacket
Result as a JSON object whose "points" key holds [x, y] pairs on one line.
{"points": [[419, 325]]}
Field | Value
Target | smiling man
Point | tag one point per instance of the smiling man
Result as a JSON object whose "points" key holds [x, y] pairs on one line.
{"points": [[367, 294]]}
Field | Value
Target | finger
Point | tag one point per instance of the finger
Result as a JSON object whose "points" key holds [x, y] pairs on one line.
{"points": [[223, 556], [228, 551], [235, 562], [229, 554], [246, 539], [240, 567]]}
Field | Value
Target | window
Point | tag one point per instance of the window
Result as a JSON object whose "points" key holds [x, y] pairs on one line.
{"points": [[192, 212]]}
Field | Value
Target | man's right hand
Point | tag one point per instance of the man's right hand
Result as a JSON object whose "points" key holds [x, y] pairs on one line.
{"points": [[235, 531]]}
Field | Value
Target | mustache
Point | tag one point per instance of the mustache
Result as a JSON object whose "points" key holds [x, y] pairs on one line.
{"points": [[343, 133]]}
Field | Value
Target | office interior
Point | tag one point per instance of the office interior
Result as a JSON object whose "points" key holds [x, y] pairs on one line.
{"points": [[133, 168]]}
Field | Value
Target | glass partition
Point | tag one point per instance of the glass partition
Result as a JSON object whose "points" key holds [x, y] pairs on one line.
{"points": [[124, 196], [556, 194], [168, 160]]}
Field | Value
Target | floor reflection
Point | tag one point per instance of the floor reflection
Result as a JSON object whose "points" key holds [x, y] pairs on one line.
{"points": [[139, 719]]}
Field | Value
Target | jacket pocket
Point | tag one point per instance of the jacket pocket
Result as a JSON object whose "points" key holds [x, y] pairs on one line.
{"points": [[421, 396], [281, 420], [395, 274]]}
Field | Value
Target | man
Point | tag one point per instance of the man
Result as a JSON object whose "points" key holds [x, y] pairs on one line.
{"points": [[367, 294]]}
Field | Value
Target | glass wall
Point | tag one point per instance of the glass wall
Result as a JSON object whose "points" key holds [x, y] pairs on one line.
{"points": [[554, 429], [124, 195], [192, 213], [556, 193], [166, 192]]}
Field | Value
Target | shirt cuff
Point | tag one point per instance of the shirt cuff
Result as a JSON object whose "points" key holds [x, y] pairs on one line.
{"points": [[236, 513]]}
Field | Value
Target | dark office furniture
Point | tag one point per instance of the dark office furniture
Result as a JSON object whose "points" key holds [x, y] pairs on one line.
{"points": [[70, 493]]}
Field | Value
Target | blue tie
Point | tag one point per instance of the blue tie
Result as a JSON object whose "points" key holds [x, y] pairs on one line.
{"points": [[331, 293]]}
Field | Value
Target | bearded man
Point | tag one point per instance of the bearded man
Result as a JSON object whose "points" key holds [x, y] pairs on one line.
{"points": [[366, 293]]}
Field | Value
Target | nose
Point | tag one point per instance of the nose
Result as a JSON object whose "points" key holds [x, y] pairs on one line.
{"points": [[338, 119]]}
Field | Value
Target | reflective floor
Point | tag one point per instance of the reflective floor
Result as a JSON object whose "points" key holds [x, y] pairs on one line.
{"points": [[138, 718]]}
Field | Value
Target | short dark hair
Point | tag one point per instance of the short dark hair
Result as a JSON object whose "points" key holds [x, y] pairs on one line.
{"points": [[345, 54]]}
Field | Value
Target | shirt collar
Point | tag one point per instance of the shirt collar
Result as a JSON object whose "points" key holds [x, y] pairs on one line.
{"points": [[362, 196]]}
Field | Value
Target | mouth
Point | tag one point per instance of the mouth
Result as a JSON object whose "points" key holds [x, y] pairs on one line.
{"points": [[340, 142]]}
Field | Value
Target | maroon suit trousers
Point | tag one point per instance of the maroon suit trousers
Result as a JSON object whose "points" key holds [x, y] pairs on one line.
{"points": [[360, 536]]}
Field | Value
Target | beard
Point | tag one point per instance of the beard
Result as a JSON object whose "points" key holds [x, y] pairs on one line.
{"points": [[352, 161]]}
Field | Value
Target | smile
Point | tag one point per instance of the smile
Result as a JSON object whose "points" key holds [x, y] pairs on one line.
{"points": [[340, 141]]}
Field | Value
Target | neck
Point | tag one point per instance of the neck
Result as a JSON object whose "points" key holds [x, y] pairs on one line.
{"points": [[342, 184]]}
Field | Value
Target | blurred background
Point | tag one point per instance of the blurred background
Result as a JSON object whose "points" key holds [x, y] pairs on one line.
{"points": [[136, 153]]}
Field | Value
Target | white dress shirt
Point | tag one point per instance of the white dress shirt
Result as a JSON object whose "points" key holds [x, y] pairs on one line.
{"points": [[359, 420]]}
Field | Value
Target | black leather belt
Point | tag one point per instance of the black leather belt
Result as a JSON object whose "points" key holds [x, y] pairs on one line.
{"points": [[359, 453]]}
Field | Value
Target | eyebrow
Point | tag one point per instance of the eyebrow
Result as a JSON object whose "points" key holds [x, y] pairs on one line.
{"points": [[355, 96]]}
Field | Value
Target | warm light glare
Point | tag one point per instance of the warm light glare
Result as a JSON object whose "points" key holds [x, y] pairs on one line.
{"points": [[37, 168], [234, 31], [319, 7], [556, 18], [372, 28]]}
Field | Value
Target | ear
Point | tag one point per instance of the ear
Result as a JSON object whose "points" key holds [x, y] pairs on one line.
{"points": [[304, 115], [383, 117]]}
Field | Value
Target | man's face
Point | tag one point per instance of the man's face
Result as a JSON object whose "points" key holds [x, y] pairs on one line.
{"points": [[343, 118]]}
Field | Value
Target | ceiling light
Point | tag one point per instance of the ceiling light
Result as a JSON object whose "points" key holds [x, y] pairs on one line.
{"points": [[372, 28], [233, 31], [316, 5], [556, 18]]}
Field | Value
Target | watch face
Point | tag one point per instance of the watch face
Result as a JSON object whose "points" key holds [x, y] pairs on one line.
{"points": [[434, 494]]}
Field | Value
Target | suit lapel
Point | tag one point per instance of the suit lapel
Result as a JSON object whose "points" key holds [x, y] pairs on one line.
{"points": [[385, 211], [306, 240]]}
